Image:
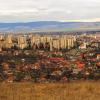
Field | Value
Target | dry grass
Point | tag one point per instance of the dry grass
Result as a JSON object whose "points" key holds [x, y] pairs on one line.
{"points": [[50, 91]]}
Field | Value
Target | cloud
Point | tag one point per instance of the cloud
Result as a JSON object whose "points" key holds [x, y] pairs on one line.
{"points": [[60, 10]]}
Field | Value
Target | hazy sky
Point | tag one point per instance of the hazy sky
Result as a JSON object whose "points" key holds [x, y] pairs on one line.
{"points": [[47, 10]]}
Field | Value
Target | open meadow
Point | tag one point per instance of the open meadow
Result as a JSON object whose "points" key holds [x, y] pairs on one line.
{"points": [[50, 91]]}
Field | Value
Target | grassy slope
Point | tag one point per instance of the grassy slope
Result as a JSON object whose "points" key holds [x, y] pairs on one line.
{"points": [[68, 29], [50, 91]]}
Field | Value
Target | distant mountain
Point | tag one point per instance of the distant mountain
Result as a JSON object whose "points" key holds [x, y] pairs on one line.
{"points": [[48, 26]]}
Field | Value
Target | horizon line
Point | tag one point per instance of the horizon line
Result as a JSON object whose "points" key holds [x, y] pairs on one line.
{"points": [[84, 21]]}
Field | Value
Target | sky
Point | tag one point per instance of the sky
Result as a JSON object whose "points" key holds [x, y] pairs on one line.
{"points": [[49, 10]]}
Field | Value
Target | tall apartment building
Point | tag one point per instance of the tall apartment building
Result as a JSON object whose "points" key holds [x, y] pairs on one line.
{"points": [[64, 42], [9, 41], [54, 42], [22, 43], [1, 42]]}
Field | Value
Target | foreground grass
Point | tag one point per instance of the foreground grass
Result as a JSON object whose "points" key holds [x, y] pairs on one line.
{"points": [[50, 91]]}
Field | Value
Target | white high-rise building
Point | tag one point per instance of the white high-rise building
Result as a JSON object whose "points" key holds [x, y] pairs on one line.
{"points": [[22, 43], [9, 41]]}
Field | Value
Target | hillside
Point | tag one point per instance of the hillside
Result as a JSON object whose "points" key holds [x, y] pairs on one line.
{"points": [[50, 91], [48, 26]]}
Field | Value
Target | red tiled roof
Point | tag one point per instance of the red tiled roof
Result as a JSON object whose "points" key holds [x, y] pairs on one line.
{"points": [[56, 59]]}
